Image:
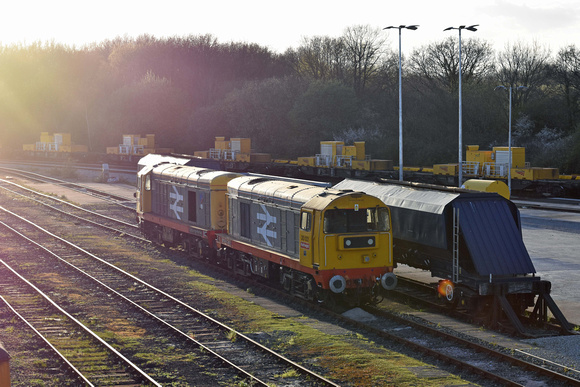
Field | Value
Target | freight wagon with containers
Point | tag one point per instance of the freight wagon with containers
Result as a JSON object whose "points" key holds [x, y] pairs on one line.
{"points": [[318, 243], [472, 242], [337, 160]]}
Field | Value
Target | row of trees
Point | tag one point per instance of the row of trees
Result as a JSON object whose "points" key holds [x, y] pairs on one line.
{"points": [[187, 90]]}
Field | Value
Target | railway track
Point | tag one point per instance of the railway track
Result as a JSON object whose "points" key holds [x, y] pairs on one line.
{"points": [[514, 377], [560, 205], [233, 353], [119, 200], [486, 363], [122, 221], [522, 371], [86, 357]]}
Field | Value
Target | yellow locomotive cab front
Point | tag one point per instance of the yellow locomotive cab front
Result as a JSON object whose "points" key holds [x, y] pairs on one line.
{"points": [[347, 239]]}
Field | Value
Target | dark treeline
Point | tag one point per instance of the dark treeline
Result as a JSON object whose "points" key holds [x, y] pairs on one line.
{"points": [[187, 90]]}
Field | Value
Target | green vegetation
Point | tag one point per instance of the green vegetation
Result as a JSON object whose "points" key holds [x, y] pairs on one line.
{"points": [[349, 358], [189, 89]]}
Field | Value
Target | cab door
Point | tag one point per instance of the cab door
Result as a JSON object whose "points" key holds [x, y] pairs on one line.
{"points": [[307, 240], [144, 190]]}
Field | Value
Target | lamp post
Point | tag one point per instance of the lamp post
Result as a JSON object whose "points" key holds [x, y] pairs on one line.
{"points": [[412, 27], [470, 28], [502, 87]]}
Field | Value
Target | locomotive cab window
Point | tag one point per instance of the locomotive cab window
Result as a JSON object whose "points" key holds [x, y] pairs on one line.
{"points": [[305, 221], [380, 217], [363, 220]]}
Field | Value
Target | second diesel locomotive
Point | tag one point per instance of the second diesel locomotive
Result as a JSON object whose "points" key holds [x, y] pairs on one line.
{"points": [[317, 243]]}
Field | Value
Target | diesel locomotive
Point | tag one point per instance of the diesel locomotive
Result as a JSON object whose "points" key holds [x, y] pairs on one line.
{"points": [[317, 243]]}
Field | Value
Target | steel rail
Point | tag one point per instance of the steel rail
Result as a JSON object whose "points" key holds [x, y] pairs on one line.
{"points": [[412, 344], [74, 186], [47, 343], [119, 355], [133, 304], [179, 302], [480, 348], [96, 224], [63, 202]]}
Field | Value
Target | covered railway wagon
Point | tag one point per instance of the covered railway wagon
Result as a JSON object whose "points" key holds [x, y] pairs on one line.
{"points": [[472, 241], [318, 243]]}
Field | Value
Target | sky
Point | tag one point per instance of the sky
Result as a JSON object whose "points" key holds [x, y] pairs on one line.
{"points": [[280, 25]]}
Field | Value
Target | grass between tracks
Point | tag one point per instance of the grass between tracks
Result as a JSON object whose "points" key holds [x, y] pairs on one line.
{"points": [[344, 356]]}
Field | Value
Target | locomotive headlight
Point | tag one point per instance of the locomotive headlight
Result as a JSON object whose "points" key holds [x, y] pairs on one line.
{"points": [[337, 284], [389, 281], [357, 242]]}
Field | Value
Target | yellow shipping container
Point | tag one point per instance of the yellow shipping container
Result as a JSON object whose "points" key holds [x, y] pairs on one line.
{"points": [[381, 165], [62, 138], [332, 148], [445, 169], [202, 154], [360, 150], [518, 155], [307, 161], [496, 186], [150, 141], [473, 154], [46, 137], [361, 165], [221, 143], [242, 145], [349, 150], [535, 173], [243, 157]]}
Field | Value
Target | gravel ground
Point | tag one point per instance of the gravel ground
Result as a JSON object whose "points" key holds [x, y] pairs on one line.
{"points": [[563, 350]]}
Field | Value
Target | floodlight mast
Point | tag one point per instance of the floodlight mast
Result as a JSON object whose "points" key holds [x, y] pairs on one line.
{"points": [[411, 27], [460, 163], [502, 87]]}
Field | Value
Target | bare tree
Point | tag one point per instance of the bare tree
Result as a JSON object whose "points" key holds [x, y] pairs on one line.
{"points": [[364, 47], [523, 65], [439, 62], [566, 74], [320, 57]]}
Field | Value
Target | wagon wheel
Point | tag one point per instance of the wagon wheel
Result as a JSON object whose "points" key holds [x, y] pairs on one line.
{"points": [[448, 292]]}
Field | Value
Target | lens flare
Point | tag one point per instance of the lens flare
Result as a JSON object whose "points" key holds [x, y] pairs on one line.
{"points": [[446, 289]]}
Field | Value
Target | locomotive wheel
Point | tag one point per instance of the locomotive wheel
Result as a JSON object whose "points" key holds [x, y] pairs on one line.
{"points": [[376, 296]]}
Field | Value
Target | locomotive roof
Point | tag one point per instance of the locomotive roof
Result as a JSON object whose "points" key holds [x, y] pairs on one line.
{"points": [[191, 175], [289, 193], [155, 159]]}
